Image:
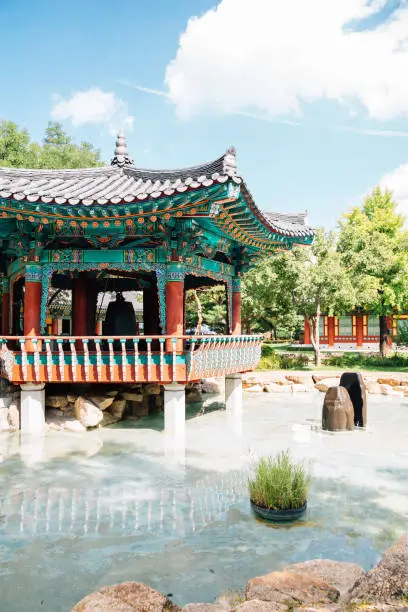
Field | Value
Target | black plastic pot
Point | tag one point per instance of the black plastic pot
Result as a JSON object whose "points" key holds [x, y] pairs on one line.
{"points": [[278, 516]]}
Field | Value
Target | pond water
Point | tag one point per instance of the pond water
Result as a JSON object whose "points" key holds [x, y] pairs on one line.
{"points": [[78, 511]]}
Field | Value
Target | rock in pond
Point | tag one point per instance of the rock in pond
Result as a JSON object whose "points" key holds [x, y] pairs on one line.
{"points": [[388, 580], [355, 385], [338, 413], [126, 597], [290, 588], [87, 413], [338, 574]]}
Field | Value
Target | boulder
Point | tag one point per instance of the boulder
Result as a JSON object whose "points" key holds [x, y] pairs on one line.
{"points": [[275, 388], [373, 387], [117, 409], [87, 413], [388, 580], [319, 377], [392, 382], [108, 419], [101, 401], [254, 389], [210, 386], [338, 574], [261, 606], [194, 397], [151, 389], [386, 389], [71, 397], [56, 401], [205, 607], [139, 409], [132, 397], [13, 415], [112, 392], [74, 426], [126, 597], [326, 383], [354, 383], [290, 588], [338, 412]]}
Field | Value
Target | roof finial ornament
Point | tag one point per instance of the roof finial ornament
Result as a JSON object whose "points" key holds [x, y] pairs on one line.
{"points": [[121, 156], [230, 162]]}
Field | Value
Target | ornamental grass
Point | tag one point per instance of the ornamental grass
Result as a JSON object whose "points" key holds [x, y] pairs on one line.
{"points": [[279, 483]]}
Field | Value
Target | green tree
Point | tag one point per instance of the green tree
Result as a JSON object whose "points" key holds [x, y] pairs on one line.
{"points": [[312, 281], [262, 307], [56, 151], [374, 249], [213, 307]]}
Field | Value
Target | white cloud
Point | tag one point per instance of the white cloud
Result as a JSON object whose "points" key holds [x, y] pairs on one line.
{"points": [[274, 55], [93, 106], [370, 132], [397, 182]]}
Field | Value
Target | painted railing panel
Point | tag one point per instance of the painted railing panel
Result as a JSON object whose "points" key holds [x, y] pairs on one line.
{"points": [[125, 359]]}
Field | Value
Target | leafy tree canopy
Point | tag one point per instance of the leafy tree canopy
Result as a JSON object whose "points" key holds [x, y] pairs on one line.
{"points": [[57, 149], [374, 249]]}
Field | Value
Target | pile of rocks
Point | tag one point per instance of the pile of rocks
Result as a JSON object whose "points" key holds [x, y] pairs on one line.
{"points": [[279, 382], [81, 408], [315, 585]]}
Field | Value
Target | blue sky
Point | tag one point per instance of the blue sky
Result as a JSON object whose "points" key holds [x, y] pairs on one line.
{"points": [[318, 116]]}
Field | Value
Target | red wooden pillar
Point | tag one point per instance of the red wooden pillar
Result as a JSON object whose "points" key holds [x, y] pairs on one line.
{"points": [[5, 307], [174, 304], [32, 303], [236, 307], [55, 327], [306, 339], [80, 306], [330, 331], [98, 328], [359, 330]]}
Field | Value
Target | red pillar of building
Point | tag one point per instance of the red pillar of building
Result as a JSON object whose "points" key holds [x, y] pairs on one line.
{"points": [[174, 304], [55, 327], [32, 303], [330, 331], [306, 332], [359, 330], [80, 306], [236, 307], [98, 328], [5, 314]]}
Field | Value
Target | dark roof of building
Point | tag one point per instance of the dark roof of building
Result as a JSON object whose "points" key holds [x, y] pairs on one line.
{"points": [[123, 182]]}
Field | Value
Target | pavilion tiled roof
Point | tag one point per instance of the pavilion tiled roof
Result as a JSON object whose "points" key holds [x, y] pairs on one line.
{"points": [[122, 182]]}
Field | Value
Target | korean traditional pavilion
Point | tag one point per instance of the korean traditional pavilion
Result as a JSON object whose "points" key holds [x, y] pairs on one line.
{"points": [[161, 232]]}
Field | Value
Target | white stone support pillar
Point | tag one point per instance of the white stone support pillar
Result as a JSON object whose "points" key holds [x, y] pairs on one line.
{"points": [[32, 410], [233, 392], [233, 402], [175, 422], [174, 409]]}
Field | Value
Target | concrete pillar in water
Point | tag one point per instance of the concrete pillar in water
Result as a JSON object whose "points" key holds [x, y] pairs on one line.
{"points": [[175, 422], [233, 392], [32, 412]]}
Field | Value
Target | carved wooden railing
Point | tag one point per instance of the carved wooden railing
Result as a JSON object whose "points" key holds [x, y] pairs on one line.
{"points": [[125, 359]]}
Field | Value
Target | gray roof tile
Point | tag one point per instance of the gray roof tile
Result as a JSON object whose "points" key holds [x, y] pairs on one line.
{"points": [[123, 182]]}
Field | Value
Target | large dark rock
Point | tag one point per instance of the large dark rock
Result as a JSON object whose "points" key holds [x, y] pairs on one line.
{"points": [[387, 581], [355, 385], [338, 413]]}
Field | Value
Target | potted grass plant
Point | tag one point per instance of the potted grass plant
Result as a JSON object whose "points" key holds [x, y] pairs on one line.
{"points": [[279, 488]]}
